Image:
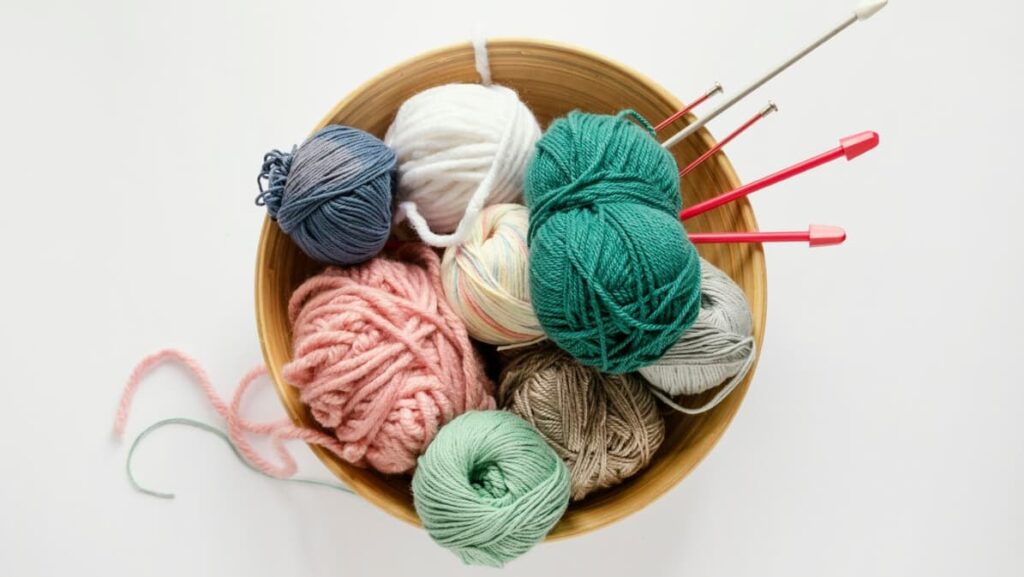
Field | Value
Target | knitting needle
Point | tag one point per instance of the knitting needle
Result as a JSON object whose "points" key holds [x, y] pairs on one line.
{"points": [[753, 120], [867, 9], [851, 147], [716, 89], [816, 235]]}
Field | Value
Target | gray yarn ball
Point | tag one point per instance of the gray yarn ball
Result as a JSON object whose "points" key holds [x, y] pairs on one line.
{"points": [[718, 346]]}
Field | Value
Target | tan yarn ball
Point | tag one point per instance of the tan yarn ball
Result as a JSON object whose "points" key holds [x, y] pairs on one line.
{"points": [[605, 427]]}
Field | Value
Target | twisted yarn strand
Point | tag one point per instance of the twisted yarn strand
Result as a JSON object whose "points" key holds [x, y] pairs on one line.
{"points": [[278, 431]]}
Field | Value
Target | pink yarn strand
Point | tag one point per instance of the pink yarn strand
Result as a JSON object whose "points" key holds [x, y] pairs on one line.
{"points": [[380, 359], [278, 431]]}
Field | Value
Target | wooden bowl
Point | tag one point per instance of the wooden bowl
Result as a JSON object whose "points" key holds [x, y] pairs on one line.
{"points": [[552, 79]]}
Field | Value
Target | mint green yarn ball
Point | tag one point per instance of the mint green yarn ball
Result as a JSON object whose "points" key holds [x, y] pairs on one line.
{"points": [[489, 488], [614, 279]]}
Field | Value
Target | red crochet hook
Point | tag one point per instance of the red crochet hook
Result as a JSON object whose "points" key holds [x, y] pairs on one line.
{"points": [[816, 235], [743, 128], [716, 89], [851, 147]]}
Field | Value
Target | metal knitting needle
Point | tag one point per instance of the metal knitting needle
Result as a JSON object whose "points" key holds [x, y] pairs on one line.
{"points": [[866, 10], [816, 235], [716, 89], [743, 128], [850, 147]]}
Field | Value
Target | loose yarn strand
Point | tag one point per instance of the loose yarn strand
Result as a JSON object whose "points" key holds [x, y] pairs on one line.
{"points": [[483, 64], [716, 352], [181, 421], [278, 431], [724, 392]]}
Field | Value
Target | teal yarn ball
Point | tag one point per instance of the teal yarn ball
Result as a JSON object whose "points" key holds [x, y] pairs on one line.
{"points": [[489, 488], [614, 278]]}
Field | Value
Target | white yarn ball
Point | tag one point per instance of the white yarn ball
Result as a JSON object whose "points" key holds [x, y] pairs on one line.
{"points": [[486, 278], [460, 147]]}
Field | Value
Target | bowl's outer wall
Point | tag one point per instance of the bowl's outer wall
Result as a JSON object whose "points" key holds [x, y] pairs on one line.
{"points": [[552, 79]]}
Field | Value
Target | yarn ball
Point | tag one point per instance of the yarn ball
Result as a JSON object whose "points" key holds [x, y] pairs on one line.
{"points": [[486, 279], [460, 147], [489, 488], [719, 345], [381, 359], [605, 427], [613, 277], [333, 194]]}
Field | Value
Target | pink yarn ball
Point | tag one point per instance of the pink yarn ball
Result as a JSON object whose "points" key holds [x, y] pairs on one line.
{"points": [[381, 359]]}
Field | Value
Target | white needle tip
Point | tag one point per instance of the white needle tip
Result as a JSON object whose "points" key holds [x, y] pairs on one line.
{"points": [[869, 8]]}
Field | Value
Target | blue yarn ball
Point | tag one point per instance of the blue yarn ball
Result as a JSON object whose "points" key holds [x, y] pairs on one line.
{"points": [[333, 194]]}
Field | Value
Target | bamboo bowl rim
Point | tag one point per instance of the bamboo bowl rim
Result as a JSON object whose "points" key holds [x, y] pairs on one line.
{"points": [[694, 437]]}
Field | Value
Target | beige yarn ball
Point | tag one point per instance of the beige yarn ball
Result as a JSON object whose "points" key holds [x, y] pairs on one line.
{"points": [[605, 427]]}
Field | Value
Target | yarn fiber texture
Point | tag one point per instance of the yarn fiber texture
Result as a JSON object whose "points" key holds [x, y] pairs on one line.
{"points": [[381, 359], [460, 147], [605, 427], [613, 277], [333, 194], [718, 347], [486, 279], [489, 488]]}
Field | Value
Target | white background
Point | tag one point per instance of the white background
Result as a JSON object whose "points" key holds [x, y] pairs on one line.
{"points": [[882, 435]]}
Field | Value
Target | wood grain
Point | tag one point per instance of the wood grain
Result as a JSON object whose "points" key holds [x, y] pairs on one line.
{"points": [[552, 79]]}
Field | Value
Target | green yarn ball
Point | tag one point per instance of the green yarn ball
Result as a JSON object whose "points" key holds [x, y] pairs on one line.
{"points": [[614, 279], [489, 488]]}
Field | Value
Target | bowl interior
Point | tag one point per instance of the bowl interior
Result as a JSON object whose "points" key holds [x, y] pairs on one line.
{"points": [[552, 79]]}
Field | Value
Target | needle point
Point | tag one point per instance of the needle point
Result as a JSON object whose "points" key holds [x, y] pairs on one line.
{"points": [[869, 8], [862, 12]]}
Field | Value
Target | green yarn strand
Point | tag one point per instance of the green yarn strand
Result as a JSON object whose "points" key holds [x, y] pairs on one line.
{"points": [[184, 422], [489, 488], [614, 279]]}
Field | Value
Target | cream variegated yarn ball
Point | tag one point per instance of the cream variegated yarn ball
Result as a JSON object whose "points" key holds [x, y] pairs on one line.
{"points": [[460, 147], [487, 281]]}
